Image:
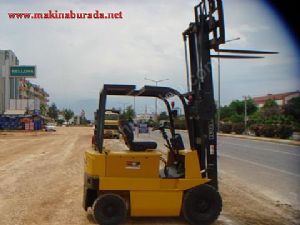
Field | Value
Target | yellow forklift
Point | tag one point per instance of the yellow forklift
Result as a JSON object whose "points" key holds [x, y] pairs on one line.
{"points": [[111, 124], [132, 182]]}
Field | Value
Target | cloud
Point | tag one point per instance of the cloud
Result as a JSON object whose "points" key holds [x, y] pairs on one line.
{"points": [[74, 58]]}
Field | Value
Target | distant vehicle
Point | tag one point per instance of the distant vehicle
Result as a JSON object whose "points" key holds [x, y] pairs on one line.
{"points": [[111, 124], [50, 127]]}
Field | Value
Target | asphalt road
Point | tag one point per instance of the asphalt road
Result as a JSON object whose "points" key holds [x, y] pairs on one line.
{"points": [[268, 168]]}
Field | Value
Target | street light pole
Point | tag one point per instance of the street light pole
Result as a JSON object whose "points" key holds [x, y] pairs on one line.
{"points": [[219, 83], [156, 82], [219, 91], [245, 118]]}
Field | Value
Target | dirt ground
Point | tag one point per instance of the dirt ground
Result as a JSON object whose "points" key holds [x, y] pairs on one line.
{"points": [[41, 182]]}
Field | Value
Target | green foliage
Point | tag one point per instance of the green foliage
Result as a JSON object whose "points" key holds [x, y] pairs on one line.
{"points": [[255, 118], [128, 113], [42, 109], [292, 108], [236, 118], [68, 114], [270, 121], [60, 121], [272, 130], [163, 116], [180, 124], [271, 111], [292, 111], [151, 123], [269, 103], [235, 112], [84, 121], [238, 128], [284, 131], [237, 107], [226, 128], [53, 111], [251, 106], [225, 113]]}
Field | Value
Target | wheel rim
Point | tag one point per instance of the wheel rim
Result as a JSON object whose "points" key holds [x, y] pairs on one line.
{"points": [[110, 211], [202, 206]]}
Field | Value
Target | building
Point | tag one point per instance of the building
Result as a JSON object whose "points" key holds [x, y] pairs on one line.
{"points": [[18, 95], [281, 99], [31, 97], [8, 85], [145, 117]]}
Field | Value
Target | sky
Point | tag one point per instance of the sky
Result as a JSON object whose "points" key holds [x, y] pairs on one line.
{"points": [[74, 58]]}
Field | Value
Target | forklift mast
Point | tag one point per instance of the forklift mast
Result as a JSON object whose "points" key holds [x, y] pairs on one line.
{"points": [[206, 33]]}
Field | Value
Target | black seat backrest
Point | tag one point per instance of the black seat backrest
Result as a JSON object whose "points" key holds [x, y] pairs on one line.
{"points": [[128, 134]]}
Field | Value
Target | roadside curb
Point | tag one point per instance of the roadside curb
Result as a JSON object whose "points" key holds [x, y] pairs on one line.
{"points": [[281, 141]]}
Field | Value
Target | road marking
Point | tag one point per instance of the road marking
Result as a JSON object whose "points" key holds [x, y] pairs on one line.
{"points": [[266, 149], [258, 164]]}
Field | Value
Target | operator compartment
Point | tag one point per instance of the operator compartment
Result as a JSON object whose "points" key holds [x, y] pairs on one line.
{"points": [[133, 164]]}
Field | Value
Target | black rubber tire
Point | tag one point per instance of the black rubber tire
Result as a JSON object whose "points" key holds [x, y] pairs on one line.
{"points": [[109, 209], [201, 205]]}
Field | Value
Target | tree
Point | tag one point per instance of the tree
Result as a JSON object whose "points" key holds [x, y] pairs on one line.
{"points": [[251, 106], [128, 113], [270, 103], [292, 108], [53, 112], [225, 113], [292, 111], [84, 120], [163, 116], [271, 112], [68, 114], [235, 112], [42, 109], [237, 107]]}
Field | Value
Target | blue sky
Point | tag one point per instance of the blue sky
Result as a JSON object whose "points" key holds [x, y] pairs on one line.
{"points": [[75, 58]]}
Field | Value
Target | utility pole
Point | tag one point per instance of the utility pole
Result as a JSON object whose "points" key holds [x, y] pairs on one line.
{"points": [[245, 118], [156, 82], [124, 105], [134, 105], [219, 82]]}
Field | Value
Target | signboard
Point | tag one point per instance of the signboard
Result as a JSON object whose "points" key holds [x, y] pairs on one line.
{"points": [[143, 128], [23, 71]]}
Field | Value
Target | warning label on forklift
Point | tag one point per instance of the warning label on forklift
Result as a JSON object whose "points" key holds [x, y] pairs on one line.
{"points": [[135, 165]]}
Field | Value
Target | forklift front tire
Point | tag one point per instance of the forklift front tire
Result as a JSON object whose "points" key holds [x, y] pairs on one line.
{"points": [[201, 205], [109, 209]]}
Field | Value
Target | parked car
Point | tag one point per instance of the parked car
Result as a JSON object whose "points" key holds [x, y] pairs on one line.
{"points": [[50, 127]]}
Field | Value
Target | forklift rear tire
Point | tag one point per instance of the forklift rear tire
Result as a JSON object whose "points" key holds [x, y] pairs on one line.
{"points": [[201, 205], [109, 209]]}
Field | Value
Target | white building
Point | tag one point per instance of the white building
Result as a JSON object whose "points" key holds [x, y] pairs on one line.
{"points": [[145, 117], [17, 94]]}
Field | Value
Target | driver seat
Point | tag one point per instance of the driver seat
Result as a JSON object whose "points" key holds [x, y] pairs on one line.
{"points": [[128, 134]]}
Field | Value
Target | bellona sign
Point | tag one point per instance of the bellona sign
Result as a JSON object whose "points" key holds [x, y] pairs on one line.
{"points": [[23, 71]]}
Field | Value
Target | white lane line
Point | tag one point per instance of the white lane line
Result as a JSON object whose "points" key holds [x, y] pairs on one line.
{"points": [[258, 164], [265, 149]]}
